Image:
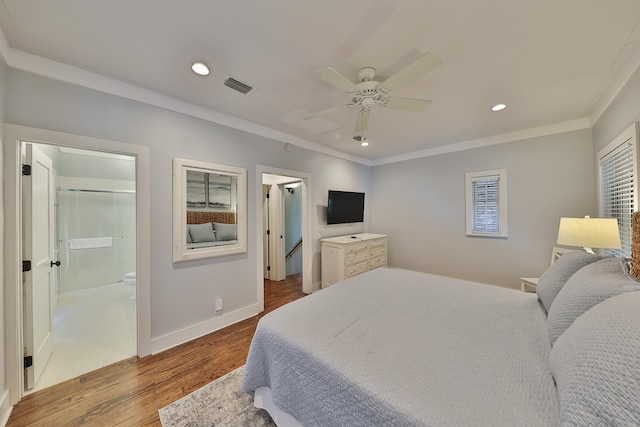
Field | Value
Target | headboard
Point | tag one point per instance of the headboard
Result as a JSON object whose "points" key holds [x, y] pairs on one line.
{"points": [[202, 217], [635, 245]]}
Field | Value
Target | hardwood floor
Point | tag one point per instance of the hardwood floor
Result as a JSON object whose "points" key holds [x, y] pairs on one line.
{"points": [[130, 392]]}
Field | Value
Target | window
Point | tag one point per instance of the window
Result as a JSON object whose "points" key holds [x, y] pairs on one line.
{"points": [[619, 185], [486, 203]]}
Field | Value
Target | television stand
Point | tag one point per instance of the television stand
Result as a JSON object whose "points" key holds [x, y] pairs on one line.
{"points": [[348, 256]]}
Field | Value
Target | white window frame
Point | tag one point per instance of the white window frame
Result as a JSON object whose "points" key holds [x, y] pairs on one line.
{"points": [[500, 175], [628, 137]]}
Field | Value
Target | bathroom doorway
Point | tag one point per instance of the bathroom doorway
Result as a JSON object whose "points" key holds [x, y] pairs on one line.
{"points": [[92, 302]]}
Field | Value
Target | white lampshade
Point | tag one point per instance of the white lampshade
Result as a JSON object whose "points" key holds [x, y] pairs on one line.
{"points": [[589, 233]]}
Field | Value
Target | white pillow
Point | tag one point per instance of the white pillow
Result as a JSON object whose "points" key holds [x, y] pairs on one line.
{"points": [[589, 286], [554, 278], [596, 365]]}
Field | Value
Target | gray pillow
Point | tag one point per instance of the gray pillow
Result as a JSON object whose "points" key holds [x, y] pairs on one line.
{"points": [[589, 286], [554, 278], [202, 232], [226, 231], [596, 365], [189, 234]]}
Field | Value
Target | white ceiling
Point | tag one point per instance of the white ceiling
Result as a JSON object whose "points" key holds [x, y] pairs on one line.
{"points": [[555, 63]]}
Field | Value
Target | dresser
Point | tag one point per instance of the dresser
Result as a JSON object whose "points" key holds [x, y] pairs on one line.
{"points": [[347, 256]]}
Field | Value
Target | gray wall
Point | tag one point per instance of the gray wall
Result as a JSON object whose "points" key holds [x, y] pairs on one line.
{"points": [[420, 204], [623, 111], [292, 227], [182, 294]]}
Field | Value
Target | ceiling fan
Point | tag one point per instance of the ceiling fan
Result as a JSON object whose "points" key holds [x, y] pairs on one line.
{"points": [[369, 92]]}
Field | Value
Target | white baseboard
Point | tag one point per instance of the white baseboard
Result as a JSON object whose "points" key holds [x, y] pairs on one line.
{"points": [[196, 331], [317, 286], [5, 408]]}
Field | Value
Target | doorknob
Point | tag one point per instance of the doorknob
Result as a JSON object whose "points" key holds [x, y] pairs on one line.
{"points": [[57, 263]]}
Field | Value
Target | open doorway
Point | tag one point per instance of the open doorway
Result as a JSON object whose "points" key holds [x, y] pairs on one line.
{"points": [[14, 136], [79, 216], [282, 225], [265, 215]]}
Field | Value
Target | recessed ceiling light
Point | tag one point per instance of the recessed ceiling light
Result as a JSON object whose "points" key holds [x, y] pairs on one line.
{"points": [[364, 143], [200, 68], [498, 107]]}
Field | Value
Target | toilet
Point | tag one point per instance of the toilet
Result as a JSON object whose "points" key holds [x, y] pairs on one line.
{"points": [[130, 279]]}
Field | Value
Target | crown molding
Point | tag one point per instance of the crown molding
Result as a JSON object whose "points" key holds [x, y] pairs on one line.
{"points": [[45, 67], [553, 129], [623, 68]]}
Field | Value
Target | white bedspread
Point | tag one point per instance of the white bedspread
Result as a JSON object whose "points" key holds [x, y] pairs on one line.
{"points": [[394, 347]]}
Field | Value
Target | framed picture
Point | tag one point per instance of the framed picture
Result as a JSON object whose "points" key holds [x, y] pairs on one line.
{"points": [[209, 210]]}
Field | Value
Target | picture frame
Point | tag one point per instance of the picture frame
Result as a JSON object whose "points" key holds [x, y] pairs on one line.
{"points": [[209, 210]]}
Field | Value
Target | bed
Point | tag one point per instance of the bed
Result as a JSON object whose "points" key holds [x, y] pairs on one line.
{"points": [[211, 228], [393, 347]]}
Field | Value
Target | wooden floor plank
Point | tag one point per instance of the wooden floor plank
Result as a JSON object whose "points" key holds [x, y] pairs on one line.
{"points": [[130, 392]]}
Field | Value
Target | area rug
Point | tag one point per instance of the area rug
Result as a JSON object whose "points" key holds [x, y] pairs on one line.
{"points": [[219, 403]]}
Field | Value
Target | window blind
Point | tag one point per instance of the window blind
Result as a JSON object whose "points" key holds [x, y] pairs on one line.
{"points": [[486, 204], [617, 172]]}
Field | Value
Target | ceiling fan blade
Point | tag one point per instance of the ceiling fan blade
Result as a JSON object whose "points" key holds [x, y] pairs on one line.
{"points": [[422, 65], [406, 104], [327, 111], [362, 121], [336, 79]]}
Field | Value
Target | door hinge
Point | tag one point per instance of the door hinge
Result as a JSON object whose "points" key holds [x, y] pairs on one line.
{"points": [[26, 170], [268, 232], [268, 268], [28, 362], [267, 195], [26, 266]]}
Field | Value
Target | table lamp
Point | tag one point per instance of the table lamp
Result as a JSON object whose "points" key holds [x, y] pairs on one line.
{"points": [[589, 233]]}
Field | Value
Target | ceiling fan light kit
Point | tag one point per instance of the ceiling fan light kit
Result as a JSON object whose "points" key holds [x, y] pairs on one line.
{"points": [[369, 92], [363, 142]]}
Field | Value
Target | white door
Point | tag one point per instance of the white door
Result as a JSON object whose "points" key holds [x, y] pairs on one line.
{"points": [[38, 248], [276, 227], [265, 232]]}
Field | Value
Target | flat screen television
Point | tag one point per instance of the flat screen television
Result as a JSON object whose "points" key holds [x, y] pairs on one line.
{"points": [[345, 207]]}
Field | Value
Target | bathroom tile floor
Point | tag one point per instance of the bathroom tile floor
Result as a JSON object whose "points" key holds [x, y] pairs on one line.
{"points": [[92, 329]]}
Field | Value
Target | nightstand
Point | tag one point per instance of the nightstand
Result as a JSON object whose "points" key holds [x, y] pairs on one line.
{"points": [[528, 284]]}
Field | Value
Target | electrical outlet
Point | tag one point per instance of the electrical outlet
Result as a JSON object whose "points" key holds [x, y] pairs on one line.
{"points": [[218, 306]]}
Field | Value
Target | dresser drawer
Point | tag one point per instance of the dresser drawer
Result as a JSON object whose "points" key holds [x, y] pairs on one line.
{"points": [[357, 253], [354, 270], [378, 249], [378, 244], [380, 261]]}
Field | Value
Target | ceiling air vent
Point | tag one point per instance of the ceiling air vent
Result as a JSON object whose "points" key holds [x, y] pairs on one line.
{"points": [[236, 85]]}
